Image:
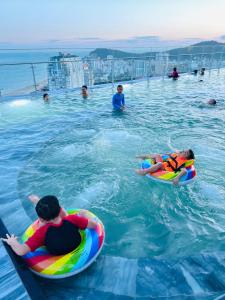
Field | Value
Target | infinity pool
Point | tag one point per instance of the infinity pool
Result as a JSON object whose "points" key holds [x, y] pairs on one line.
{"points": [[84, 153]]}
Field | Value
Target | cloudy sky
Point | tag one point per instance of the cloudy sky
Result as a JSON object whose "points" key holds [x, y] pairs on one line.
{"points": [[128, 23]]}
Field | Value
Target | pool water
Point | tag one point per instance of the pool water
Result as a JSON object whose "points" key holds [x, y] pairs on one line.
{"points": [[84, 153]]}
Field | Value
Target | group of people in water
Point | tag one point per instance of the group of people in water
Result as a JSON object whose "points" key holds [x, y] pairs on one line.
{"points": [[174, 75], [118, 100], [84, 93], [58, 231]]}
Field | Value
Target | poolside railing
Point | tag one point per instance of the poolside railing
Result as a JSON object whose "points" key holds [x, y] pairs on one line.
{"points": [[68, 71]]}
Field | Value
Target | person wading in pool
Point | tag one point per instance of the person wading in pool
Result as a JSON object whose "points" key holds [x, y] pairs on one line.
{"points": [[58, 231], [46, 97], [174, 74], [118, 101], [84, 91], [174, 163]]}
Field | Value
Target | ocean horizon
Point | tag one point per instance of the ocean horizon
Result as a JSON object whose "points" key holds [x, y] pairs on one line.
{"points": [[17, 77]]}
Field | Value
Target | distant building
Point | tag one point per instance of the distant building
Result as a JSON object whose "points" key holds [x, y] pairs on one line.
{"points": [[161, 63], [68, 71]]}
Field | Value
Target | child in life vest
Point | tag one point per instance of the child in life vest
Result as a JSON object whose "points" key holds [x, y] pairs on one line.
{"points": [[58, 231], [174, 163]]}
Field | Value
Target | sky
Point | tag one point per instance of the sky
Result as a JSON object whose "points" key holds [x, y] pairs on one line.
{"points": [[109, 22]]}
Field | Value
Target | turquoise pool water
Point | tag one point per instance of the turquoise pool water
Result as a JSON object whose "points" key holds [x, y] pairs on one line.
{"points": [[82, 152]]}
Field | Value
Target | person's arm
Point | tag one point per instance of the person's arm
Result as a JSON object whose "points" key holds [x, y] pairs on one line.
{"points": [[176, 180], [19, 249], [82, 221], [91, 224], [123, 101], [63, 212], [34, 199], [144, 156]]}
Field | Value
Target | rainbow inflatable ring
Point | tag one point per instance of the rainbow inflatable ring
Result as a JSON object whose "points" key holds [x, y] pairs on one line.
{"points": [[46, 265], [167, 177]]}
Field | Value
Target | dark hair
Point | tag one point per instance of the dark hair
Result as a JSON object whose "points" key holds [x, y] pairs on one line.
{"points": [[174, 68], [119, 86], [84, 87], [212, 101], [45, 94], [191, 155], [48, 208]]}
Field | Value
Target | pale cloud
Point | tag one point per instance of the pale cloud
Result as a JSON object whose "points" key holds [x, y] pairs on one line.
{"points": [[146, 42]]}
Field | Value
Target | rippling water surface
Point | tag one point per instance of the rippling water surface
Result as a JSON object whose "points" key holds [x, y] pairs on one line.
{"points": [[82, 152]]}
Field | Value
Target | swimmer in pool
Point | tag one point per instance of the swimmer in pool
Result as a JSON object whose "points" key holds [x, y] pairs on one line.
{"points": [[174, 74], [46, 97], [212, 102], [174, 163], [84, 91], [202, 71], [118, 101], [58, 231]]}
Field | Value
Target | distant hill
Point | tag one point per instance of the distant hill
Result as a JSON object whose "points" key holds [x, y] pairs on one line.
{"points": [[202, 47], [104, 52]]}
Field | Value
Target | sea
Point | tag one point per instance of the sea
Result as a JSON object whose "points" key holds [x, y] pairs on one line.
{"points": [[16, 73]]}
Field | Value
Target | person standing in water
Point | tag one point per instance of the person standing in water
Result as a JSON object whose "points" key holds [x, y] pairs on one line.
{"points": [[174, 74], [84, 91], [202, 71], [118, 101]]}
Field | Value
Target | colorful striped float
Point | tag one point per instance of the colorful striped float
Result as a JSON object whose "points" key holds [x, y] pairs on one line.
{"points": [[167, 177], [46, 265]]}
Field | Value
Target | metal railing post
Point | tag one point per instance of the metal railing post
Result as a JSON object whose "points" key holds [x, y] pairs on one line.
{"points": [[34, 79], [112, 72], [220, 61]]}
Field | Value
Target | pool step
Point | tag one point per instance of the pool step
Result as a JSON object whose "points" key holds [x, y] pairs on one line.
{"points": [[196, 277]]}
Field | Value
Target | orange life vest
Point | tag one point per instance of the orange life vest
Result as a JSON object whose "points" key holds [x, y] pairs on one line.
{"points": [[174, 163]]}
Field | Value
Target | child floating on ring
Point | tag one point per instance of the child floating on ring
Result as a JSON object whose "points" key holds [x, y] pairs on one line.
{"points": [[174, 162], [58, 231]]}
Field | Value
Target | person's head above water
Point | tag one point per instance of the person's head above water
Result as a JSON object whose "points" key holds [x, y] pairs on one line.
{"points": [[120, 88], [48, 208], [212, 102], [46, 97], [84, 90], [188, 154], [174, 69]]}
